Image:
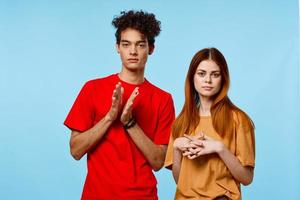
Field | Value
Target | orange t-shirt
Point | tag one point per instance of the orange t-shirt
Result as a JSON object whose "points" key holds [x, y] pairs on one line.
{"points": [[207, 177]]}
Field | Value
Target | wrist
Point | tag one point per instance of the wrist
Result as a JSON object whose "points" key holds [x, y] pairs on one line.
{"points": [[176, 146], [220, 147], [131, 123], [177, 152]]}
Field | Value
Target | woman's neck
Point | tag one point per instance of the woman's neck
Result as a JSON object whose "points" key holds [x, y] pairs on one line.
{"points": [[205, 105]]}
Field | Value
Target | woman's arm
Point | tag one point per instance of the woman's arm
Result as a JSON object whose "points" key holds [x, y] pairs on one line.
{"points": [[242, 174], [207, 145], [179, 147]]}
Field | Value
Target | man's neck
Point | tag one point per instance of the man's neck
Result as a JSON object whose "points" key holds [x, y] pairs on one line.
{"points": [[132, 77]]}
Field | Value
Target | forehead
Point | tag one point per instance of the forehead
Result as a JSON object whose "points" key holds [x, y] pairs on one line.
{"points": [[208, 65], [132, 35]]}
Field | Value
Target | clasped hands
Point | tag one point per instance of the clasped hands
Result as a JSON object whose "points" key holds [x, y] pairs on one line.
{"points": [[195, 146], [117, 106]]}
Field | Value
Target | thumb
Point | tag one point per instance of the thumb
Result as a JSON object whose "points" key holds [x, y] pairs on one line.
{"points": [[205, 137], [200, 135]]}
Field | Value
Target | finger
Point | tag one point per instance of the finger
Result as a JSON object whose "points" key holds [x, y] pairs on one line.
{"points": [[130, 101], [188, 137], [192, 150], [197, 143], [207, 138], [134, 93], [115, 98], [113, 101], [128, 107], [190, 145], [197, 150], [193, 156], [117, 91], [187, 153], [200, 135], [183, 149], [200, 153], [121, 95]]}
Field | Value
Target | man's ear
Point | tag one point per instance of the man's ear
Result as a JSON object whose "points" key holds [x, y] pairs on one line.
{"points": [[117, 48], [151, 49]]}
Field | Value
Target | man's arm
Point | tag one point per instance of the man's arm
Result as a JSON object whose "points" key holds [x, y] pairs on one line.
{"points": [[155, 154], [83, 142]]}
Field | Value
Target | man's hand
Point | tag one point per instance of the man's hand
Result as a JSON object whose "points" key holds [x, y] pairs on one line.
{"points": [[116, 103], [127, 110]]}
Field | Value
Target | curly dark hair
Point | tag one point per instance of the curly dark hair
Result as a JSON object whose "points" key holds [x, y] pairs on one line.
{"points": [[139, 20]]}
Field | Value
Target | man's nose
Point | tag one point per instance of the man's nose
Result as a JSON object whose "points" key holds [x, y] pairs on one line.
{"points": [[133, 50]]}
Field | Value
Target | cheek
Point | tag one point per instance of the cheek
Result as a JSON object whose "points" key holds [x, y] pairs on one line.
{"points": [[218, 84], [144, 55], [197, 83]]}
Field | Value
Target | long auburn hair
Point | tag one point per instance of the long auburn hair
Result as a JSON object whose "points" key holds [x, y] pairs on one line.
{"points": [[222, 108]]}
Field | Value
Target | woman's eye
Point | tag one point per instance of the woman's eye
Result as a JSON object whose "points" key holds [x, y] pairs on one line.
{"points": [[202, 74], [216, 75]]}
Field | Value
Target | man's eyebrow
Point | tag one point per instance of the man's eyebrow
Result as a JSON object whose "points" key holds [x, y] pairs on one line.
{"points": [[125, 41], [137, 42]]}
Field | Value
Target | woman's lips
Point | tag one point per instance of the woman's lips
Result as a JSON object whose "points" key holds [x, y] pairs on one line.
{"points": [[207, 88]]}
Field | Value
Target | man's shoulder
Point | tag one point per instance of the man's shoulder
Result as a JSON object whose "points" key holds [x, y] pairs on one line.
{"points": [[101, 80], [156, 90]]}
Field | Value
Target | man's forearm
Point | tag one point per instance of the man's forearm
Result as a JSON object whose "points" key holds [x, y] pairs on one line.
{"points": [[155, 154], [82, 142]]}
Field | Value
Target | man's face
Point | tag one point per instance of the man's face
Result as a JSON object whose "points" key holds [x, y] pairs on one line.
{"points": [[133, 49]]}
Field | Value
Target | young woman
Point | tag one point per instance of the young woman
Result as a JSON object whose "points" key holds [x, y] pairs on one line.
{"points": [[211, 150]]}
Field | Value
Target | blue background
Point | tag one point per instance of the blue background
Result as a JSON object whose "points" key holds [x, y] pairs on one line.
{"points": [[48, 49]]}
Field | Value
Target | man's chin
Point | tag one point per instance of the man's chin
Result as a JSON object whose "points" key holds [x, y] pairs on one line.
{"points": [[135, 68]]}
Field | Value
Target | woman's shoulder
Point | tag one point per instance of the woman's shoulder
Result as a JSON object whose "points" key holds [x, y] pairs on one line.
{"points": [[240, 117]]}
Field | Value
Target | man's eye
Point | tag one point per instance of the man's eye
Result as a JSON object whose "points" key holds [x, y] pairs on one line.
{"points": [[125, 45], [142, 45]]}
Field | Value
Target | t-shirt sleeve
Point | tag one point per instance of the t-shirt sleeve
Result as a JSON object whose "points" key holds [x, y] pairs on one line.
{"points": [[169, 156], [80, 117], [165, 121], [245, 143]]}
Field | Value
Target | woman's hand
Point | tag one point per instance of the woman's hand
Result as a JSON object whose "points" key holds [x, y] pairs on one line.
{"points": [[181, 143], [200, 145]]}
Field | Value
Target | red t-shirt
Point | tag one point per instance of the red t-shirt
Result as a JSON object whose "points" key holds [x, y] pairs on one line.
{"points": [[117, 169]]}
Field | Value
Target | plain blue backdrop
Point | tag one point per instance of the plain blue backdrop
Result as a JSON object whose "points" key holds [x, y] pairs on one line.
{"points": [[49, 49]]}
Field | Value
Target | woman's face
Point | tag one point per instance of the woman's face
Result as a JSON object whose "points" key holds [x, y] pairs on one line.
{"points": [[207, 79]]}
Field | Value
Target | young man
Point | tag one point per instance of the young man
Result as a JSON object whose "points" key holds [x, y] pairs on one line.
{"points": [[122, 122]]}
